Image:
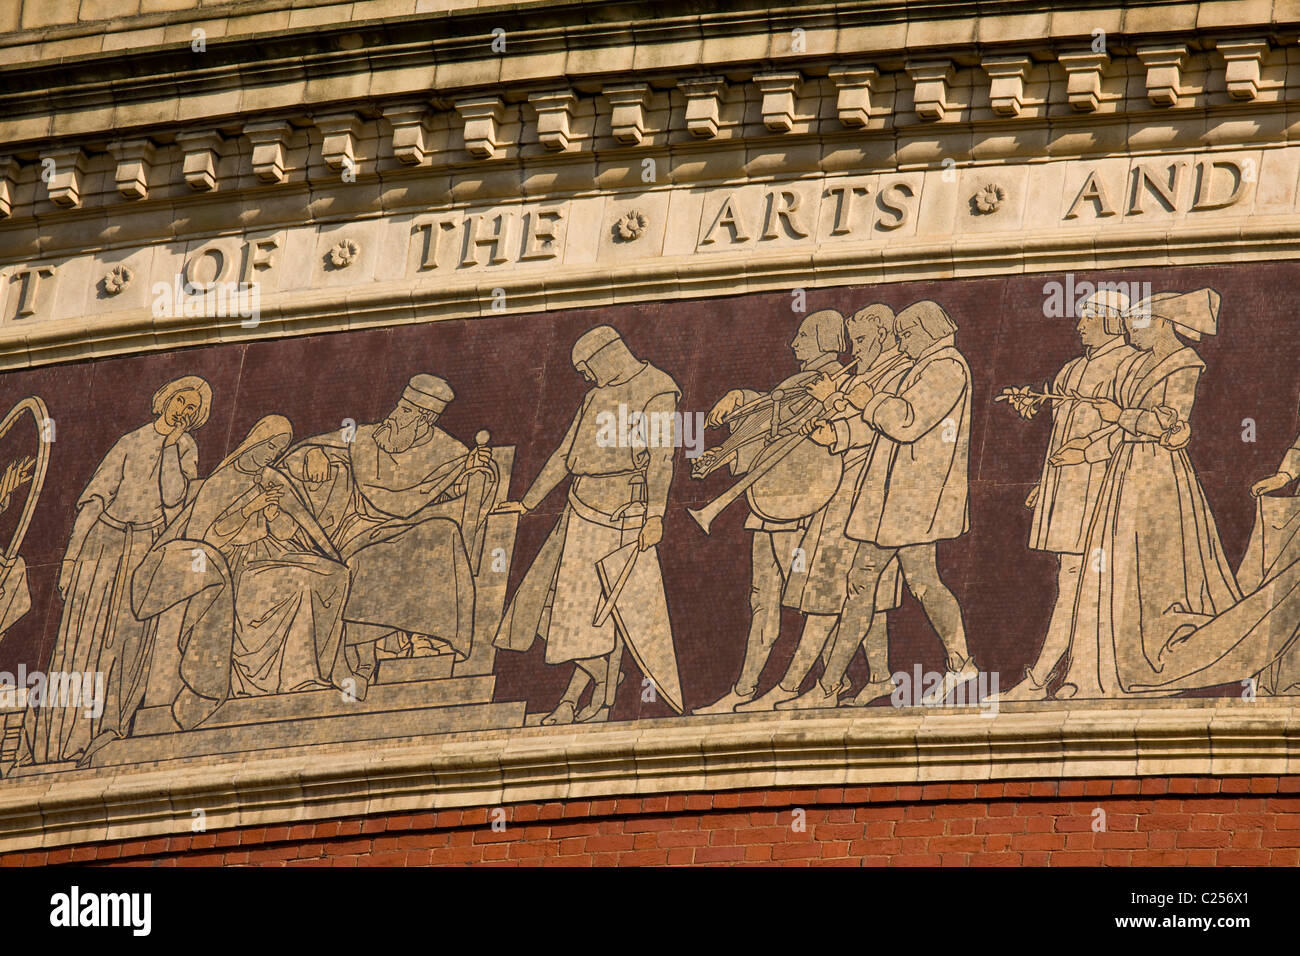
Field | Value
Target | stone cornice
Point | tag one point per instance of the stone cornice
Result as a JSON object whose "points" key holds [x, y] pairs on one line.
{"points": [[44, 99], [1190, 737]]}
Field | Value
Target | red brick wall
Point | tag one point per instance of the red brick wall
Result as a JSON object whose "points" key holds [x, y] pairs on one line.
{"points": [[1174, 821]]}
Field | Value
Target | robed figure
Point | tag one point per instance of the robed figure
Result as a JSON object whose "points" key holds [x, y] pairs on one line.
{"points": [[1156, 569], [392, 496], [1065, 497], [143, 480], [264, 589], [818, 584]]}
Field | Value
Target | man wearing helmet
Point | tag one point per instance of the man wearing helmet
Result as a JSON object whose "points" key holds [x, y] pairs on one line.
{"points": [[618, 495]]}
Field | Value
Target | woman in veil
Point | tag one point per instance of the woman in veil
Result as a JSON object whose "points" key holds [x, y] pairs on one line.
{"points": [[1155, 571], [266, 597]]}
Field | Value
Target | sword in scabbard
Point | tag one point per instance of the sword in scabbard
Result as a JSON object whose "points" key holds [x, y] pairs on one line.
{"points": [[607, 606]]}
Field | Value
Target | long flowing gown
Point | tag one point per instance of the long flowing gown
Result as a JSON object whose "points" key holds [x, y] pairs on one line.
{"points": [[264, 603], [1154, 572], [288, 600], [124, 505]]}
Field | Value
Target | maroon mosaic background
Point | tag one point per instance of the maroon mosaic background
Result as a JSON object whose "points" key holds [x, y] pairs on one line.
{"points": [[512, 375]]}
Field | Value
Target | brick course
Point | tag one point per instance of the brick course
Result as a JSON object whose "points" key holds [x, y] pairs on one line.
{"points": [[1177, 821]]}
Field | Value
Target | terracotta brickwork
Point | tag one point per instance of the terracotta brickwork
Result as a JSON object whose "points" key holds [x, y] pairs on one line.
{"points": [[1178, 821]]}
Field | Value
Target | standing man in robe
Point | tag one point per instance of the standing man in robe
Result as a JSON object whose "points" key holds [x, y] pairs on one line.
{"points": [[389, 497], [816, 346], [913, 495], [819, 589], [143, 481], [1065, 498], [618, 495]]}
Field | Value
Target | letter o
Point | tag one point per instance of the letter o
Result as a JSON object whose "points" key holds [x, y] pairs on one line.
{"points": [[219, 272]]}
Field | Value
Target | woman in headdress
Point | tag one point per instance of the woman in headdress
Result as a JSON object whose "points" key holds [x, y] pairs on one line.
{"points": [[145, 478], [1154, 568], [279, 627]]}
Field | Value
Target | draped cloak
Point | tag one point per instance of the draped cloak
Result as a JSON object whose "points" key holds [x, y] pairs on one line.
{"points": [[133, 490], [1158, 608], [189, 564], [561, 590], [403, 547]]}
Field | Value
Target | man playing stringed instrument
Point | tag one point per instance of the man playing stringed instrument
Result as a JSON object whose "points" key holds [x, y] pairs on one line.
{"points": [[816, 346]]}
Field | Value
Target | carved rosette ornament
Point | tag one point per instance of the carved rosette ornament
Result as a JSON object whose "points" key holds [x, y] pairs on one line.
{"points": [[987, 199], [631, 226], [117, 279], [344, 253]]}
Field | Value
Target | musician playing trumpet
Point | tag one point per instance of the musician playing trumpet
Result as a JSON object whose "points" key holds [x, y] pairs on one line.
{"points": [[818, 587], [913, 494], [816, 346]]}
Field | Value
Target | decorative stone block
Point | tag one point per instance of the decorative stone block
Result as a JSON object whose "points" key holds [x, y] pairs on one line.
{"points": [[1083, 85], [134, 161], [1164, 66], [482, 117], [63, 180], [853, 93], [779, 92], [703, 104], [1243, 59], [269, 139], [1006, 82], [200, 163], [930, 79], [8, 184], [410, 123], [554, 112], [338, 139], [628, 102]]}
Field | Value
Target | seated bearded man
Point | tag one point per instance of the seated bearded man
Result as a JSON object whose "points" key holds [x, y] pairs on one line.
{"points": [[390, 496]]}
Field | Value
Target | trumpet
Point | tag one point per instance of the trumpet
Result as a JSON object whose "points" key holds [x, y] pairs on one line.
{"points": [[794, 399], [704, 516], [792, 476]]}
